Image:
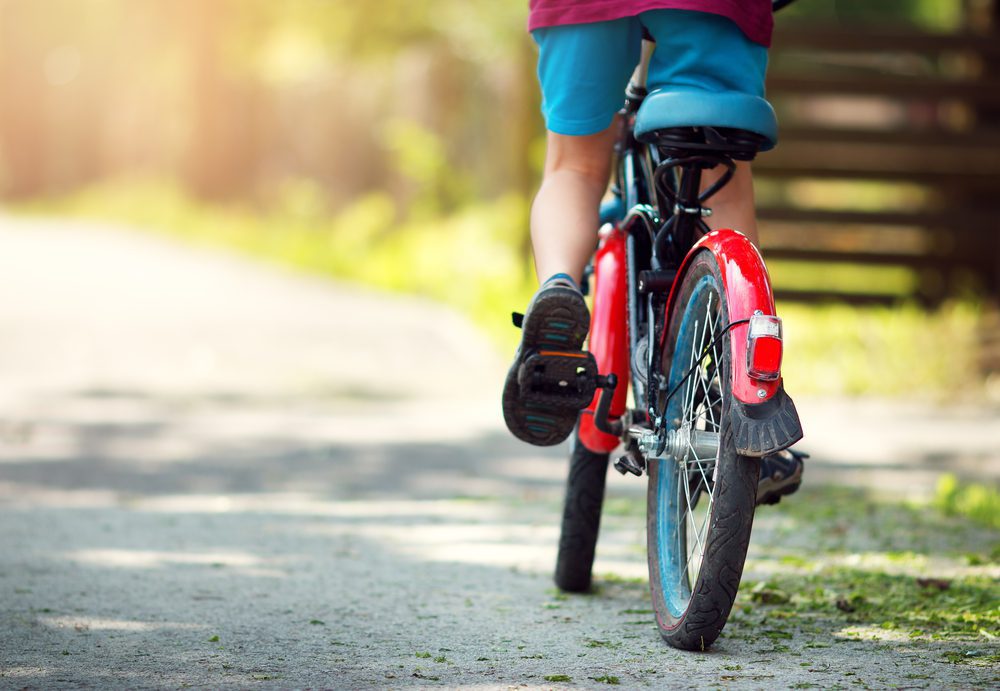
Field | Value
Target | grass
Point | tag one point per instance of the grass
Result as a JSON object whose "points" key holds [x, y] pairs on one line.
{"points": [[959, 609], [898, 351], [837, 565], [468, 259], [978, 502], [607, 679], [831, 566], [472, 260]]}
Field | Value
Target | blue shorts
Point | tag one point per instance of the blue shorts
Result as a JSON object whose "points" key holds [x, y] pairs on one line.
{"points": [[584, 68]]}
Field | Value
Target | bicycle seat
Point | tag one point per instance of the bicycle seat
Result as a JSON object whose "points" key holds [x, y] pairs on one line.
{"points": [[664, 110]]}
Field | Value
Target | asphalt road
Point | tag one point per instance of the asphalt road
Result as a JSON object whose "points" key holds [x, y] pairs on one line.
{"points": [[215, 473]]}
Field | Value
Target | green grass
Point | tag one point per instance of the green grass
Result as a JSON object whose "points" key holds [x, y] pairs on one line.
{"points": [[557, 677], [468, 260], [839, 564], [607, 679], [830, 565], [898, 351], [958, 608], [473, 261], [978, 502]]}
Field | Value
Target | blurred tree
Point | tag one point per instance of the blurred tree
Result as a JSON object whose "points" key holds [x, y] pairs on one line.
{"points": [[22, 133], [232, 96], [221, 153]]}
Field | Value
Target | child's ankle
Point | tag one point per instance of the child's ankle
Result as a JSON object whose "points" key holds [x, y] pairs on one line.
{"points": [[561, 277]]}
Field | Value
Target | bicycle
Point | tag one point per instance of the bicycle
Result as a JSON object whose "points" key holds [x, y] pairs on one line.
{"points": [[686, 316]]}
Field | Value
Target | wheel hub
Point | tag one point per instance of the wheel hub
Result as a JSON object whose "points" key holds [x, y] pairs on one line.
{"points": [[683, 444]]}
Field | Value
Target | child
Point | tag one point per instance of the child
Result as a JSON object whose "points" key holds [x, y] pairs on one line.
{"points": [[587, 52]]}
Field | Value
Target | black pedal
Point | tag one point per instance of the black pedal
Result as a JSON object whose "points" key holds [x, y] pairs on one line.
{"points": [[631, 462], [559, 379]]}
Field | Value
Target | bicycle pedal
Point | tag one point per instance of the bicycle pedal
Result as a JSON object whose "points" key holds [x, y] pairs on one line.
{"points": [[625, 464], [631, 462], [560, 379]]}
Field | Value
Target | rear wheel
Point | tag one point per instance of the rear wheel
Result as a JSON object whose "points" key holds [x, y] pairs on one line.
{"points": [[581, 519], [700, 502]]}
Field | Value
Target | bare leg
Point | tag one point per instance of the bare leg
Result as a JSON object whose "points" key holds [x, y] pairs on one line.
{"points": [[564, 216], [733, 205]]}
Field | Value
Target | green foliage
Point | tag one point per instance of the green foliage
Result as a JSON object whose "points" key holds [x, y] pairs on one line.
{"points": [[373, 31], [467, 259], [979, 502], [472, 258], [886, 351], [421, 157], [940, 15]]}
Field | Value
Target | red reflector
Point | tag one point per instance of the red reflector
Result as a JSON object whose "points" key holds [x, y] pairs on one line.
{"points": [[764, 358], [764, 347]]}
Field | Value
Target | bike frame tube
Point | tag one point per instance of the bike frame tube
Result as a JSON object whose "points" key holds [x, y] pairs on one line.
{"points": [[609, 339], [747, 286]]}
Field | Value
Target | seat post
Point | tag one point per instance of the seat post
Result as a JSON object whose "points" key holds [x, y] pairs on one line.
{"points": [[688, 213]]}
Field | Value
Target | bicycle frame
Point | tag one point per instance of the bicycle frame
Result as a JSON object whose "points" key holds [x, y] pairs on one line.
{"points": [[640, 258], [683, 316]]}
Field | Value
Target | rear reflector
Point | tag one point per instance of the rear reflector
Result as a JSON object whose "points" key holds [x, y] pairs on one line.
{"points": [[764, 347]]}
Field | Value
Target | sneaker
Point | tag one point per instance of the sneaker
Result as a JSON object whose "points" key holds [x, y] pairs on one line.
{"points": [[555, 324], [780, 474]]}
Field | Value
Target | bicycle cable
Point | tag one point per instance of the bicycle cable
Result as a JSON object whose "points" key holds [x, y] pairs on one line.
{"points": [[665, 239], [729, 327]]}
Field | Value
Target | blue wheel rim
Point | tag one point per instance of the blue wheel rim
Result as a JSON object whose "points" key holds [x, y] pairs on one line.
{"points": [[698, 324]]}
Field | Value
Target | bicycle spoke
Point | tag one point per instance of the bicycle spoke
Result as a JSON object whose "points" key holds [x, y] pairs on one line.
{"points": [[689, 389], [702, 398], [709, 369], [689, 504]]}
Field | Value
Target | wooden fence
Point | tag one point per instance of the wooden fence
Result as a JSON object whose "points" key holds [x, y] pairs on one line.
{"points": [[889, 160]]}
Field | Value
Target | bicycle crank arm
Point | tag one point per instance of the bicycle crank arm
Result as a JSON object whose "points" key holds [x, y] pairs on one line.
{"points": [[602, 415]]}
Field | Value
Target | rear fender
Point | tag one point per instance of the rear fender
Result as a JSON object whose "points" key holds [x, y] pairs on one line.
{"points": [[763, 416]]}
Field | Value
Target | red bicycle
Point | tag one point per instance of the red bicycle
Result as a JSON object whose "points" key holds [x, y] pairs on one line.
{"points": [[685, 317]]}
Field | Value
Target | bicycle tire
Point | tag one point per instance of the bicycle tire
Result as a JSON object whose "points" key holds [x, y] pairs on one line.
{"points": [[581, 520], [693, 586]]}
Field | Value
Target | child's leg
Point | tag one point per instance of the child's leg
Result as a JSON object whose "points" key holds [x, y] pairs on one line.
{"points": [[583, 69], [564, 216], [733, 205]]}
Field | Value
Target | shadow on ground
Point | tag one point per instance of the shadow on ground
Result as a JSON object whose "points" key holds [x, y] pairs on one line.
{"points": [[226, 540]]}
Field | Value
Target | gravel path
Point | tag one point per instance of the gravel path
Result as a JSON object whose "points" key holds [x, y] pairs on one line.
{"points": [[218, 474]]}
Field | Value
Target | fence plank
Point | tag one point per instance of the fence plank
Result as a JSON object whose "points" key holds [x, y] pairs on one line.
{"points": [[940, 132]]}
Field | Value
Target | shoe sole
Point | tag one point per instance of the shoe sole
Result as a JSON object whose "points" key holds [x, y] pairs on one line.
{"points": [[770, 492], [557, 319]]}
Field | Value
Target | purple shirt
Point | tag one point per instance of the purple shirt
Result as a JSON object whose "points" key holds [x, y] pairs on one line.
{"points": [[752, 16]]}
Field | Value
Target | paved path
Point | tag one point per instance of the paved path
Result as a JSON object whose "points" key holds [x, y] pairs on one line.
{"points": [[214, 473]]}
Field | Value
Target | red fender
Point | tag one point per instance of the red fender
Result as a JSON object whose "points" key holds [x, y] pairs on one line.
{"points": [[608, 334], [748, 288]]}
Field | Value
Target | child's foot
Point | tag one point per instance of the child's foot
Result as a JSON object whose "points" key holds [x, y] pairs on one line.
{"points": [[780, 474], [555, 325]]}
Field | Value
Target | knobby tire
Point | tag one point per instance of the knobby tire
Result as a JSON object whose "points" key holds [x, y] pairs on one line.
{"points": [[581, 518], [693, 596]]}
